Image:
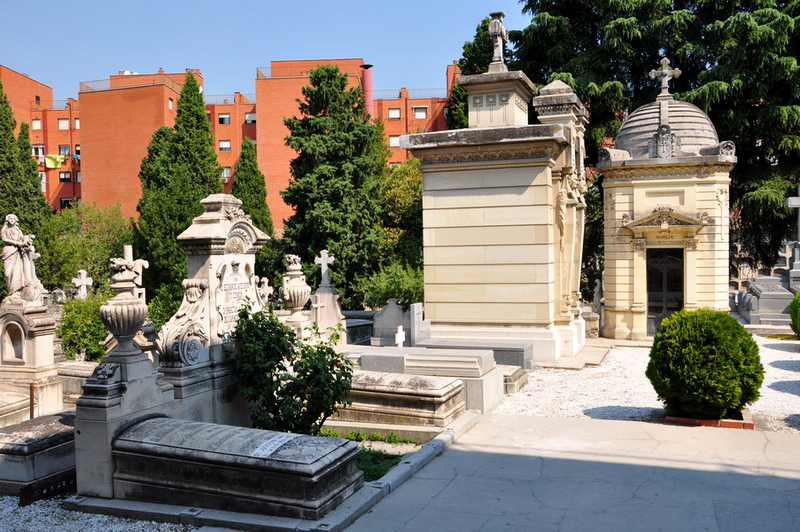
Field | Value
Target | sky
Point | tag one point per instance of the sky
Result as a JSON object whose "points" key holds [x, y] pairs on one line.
{"points": [[409, 42]]}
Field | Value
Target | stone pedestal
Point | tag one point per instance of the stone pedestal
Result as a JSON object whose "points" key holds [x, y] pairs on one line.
{"points": [[26, 358], [503, 212]]}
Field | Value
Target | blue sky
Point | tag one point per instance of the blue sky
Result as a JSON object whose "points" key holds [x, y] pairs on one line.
{"points": [[409, 42]]}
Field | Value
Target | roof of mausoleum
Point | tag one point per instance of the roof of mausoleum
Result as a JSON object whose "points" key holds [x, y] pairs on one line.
{"points": [[686, 121]]}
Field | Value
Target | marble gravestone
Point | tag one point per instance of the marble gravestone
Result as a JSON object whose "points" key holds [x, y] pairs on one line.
{"points": [[27, 330]]}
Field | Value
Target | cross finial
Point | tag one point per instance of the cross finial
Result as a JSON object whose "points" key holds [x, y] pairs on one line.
{"points": [[324, 260], [82, 283], [665, 73]]}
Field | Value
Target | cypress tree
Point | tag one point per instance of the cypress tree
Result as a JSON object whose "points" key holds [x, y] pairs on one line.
{"points": [[180, 169], [341, 160], [249, 186], [31, 201]]}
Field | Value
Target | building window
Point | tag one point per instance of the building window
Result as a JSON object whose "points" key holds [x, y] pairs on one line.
{"points": [[394, 141], [226, 173], [224, 118], [63, 124], [77, 149], [63, 149], [38, 152], [65, 203], [38, 100], [249, 118], [77, 123], [77, 177], [224, 145], [169, 104], [65, 177], [36, 124], [394, 114], [420, 113]]}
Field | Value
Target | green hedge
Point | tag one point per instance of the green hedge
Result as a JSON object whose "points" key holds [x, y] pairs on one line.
{"points": [[704, 364]]}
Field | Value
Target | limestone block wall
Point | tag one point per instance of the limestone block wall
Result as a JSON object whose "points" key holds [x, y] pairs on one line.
{"points": [[489, 243]]}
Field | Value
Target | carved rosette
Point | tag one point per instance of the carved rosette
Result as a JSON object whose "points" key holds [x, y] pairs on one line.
{"points": [[183, 341], [295, 292]]}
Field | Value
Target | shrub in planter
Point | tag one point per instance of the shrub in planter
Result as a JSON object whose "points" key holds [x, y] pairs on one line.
{"points": [[794, 312], [703, 364], [293, 385]]}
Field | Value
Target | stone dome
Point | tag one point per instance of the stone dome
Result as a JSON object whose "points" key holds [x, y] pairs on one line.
{"points": [[687, 122]]}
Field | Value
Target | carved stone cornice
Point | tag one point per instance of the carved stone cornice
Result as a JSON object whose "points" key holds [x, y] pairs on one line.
{"points": [[490, 155], [628, 173]]}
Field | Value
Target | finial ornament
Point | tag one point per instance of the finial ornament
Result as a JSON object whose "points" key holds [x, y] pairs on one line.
{"points": [[499, 36], [664, 74]]}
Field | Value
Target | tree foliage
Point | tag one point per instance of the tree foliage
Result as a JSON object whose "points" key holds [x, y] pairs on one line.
{"points": [[83, 237], [180, 169], [80, 327], [341, 160], [292, 385], [250, 187], [739, 64]]}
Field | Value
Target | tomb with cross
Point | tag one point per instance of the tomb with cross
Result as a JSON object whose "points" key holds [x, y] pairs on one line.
{"points": [[326, 310], [82, 283]]}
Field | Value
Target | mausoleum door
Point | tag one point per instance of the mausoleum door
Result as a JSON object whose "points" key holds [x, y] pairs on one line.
{"points": [[664, 285]]}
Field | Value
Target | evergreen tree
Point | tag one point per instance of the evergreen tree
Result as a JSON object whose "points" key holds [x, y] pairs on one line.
{"points": [[10, 167], [180, 169], [29, 197], [249, 186], [341, 159]]}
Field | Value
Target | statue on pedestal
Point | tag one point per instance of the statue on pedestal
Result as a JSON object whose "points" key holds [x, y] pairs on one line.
{"points": [[499, 35], [18, 263]]}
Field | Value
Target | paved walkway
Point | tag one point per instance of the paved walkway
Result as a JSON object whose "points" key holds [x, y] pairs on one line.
{"points": [[526, 474]]}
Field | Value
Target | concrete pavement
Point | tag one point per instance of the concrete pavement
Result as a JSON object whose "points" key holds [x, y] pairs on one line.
{"points": [[525, 473]]}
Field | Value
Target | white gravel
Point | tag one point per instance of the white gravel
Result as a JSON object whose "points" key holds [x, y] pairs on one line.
{"points": [[48, 516], [619, 389]]}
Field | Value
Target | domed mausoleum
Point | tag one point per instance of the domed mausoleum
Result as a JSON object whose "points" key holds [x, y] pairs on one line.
{"points": [[666, 215]]}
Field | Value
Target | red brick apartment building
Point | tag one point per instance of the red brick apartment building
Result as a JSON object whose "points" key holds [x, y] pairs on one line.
{"points": [[103, 135]]}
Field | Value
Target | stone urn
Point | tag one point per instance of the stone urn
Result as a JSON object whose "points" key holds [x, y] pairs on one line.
{"points": [[295, 292], [123, 314]]}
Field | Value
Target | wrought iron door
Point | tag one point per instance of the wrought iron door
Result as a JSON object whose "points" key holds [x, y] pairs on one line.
{"points": [[664, 285]]}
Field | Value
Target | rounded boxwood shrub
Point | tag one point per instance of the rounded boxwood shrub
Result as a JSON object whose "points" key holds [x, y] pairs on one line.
{"points": [[794, 313], [703, 364]]}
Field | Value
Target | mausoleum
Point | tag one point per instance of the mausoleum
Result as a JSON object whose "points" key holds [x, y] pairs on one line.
{"points": [[666, 215]]}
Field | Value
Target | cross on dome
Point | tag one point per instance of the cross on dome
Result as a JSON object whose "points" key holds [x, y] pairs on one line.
{"points": [[664, 74]]}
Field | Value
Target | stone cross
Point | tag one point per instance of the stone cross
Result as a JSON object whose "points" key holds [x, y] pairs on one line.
{"points": [[82, 283], [665, 73], [324, 260], [400, 337]]}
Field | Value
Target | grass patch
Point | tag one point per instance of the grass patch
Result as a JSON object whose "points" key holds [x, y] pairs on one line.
{"points": [[361, 435], [783, 337], [375, 464]]}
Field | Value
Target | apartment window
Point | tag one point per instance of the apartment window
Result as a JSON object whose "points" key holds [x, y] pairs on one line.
{"points": [[394, 141], [43, 181], [77, 149], [65, 203], [63, 149], [65, 177], [394, 114], [249, 118], [38, 100], [169, 104], [77, 123], [226, 173], [38, 150], [77, 177], [224, 145], [420, 113], [224, 118], [63, 124], [36, 124]]}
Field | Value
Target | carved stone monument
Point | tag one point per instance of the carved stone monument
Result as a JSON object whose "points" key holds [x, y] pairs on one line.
{"points": [[503, 213], [326, 311], [220, 247], [26, 334], [666, 215], [499, 35]]}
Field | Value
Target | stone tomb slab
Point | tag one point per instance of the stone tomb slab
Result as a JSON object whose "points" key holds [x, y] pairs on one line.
{"points": [[399, 399], [475, 367], [234, 468], [509, 352], [37, 455]]}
